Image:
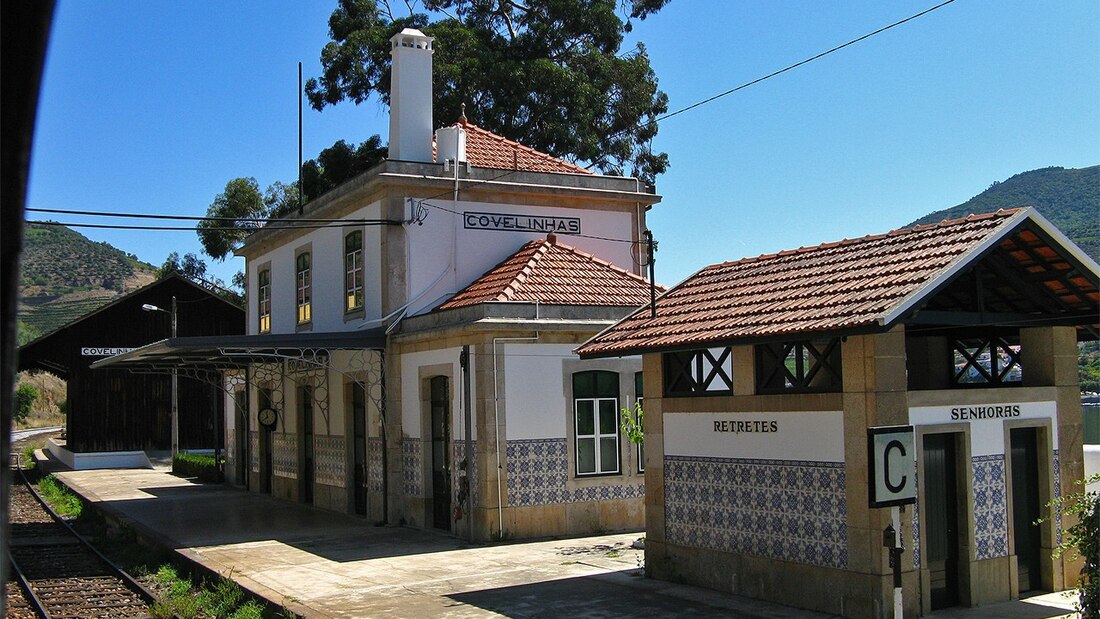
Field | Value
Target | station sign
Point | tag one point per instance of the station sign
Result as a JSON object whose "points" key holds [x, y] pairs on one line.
{"points": [[891, 466]]}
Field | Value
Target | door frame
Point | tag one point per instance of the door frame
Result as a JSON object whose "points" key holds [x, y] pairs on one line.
{"points": [[1047, 533], [425, 374], [353, 382], [965, 488]]}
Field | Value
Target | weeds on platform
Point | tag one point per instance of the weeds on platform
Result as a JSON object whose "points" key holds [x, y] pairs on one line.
{"points": [[65, 503], [222, 598]]}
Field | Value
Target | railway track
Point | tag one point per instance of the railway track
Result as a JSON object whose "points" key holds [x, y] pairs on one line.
{"points": [[59, 573]]}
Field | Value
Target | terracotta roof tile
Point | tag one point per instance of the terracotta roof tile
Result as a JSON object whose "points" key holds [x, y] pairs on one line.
{"points": [[838, 285], [486, 149], [546, 271]]}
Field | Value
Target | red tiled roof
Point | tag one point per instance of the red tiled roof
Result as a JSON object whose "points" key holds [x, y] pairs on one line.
{"points": [[546, 271], [486, 149], [842, 285]]}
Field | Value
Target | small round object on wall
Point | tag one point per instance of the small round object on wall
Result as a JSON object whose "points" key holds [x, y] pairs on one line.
{"points": [[267, 418]]}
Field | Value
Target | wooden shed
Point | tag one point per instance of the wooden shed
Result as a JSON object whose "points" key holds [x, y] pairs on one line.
{"points": [[121, 410]]}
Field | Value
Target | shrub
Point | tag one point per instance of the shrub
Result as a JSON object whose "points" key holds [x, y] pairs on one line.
{"points": [[201, 466], [25, 396]]}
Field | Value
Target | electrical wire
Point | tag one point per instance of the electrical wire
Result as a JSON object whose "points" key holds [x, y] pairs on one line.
{"points": [[469, 185], [334, 224], [256, 220]]}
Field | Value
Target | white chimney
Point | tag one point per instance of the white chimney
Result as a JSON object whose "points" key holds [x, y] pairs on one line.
{"points": [[411, 96]]}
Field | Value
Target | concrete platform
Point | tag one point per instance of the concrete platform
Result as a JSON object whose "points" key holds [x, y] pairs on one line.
{"points": [[323, 564]]}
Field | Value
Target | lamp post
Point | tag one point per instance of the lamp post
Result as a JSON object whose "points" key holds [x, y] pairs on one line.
{"points": [[175, 378]]}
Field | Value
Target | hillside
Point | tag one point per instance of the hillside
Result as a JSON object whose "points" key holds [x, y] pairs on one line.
{"points": [[65, 275], [1069, 198]]}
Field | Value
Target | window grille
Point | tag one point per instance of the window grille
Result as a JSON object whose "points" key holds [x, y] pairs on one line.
{"points": [[699, 372], [807, 366], [986, 361]]}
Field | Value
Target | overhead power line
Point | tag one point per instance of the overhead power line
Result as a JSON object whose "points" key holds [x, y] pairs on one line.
{"points": [[334, 224], [324, 223], [239, 220], [797, 64]]}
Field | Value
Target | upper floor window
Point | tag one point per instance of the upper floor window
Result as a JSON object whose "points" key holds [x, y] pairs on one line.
{"points": [[264, 301], [596, 422], [699, 372], [305, 288], [805, 366], [353, 269], [986, 361]]}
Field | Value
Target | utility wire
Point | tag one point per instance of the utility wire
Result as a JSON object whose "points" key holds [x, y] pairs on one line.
{"points": [[256, 220], [797, 64], [334, 224], [469, 185]]}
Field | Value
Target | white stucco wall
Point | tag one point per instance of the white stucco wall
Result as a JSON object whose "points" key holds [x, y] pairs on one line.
{"points": [[433, 244], [412, 420], [987, 431], [327, 248], [810, 436], [534, 392]]}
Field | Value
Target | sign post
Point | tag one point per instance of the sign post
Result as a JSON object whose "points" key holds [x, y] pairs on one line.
{"points": [[892, 482]]}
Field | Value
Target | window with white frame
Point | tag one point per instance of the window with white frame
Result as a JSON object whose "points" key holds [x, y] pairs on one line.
{"points": [[305, 288], [264, 301], [596, 422], [353, 269]]}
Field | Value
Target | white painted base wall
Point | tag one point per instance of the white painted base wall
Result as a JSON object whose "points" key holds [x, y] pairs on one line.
{"points": [[99, 460]]}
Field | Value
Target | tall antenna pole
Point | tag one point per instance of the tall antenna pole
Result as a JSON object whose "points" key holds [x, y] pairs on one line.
{"points": [[650, 248], [300, 189]]}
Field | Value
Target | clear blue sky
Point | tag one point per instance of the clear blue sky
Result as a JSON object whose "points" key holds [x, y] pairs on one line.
{"points": [[153, 106]]}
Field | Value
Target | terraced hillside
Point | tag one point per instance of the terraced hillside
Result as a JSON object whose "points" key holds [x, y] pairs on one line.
{"points": [[65, 275]]}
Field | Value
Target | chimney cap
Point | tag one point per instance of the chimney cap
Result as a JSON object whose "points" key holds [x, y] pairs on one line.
{"points": [[412, 38]]}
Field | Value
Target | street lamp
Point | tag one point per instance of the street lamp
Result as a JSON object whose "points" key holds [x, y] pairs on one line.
{"points": [[175, 378]]}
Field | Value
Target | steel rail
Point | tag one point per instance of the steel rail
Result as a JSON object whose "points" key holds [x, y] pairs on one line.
{"points": [[128, 581]]}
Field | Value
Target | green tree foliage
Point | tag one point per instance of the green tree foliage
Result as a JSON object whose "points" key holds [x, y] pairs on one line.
{"points": [[25, 396], [339, 163], [632, 423], [1082, 540], [191, 266], [547, 73], [237, 206]]}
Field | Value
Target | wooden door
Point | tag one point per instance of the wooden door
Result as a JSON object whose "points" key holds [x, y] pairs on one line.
{"points": [[359, 437], [1025, 506], [305, 403], [941, 509], [441, 461]]}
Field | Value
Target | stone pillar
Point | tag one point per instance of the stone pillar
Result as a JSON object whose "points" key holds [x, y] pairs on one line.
{"points": [[653, 381], [1049, 359], [875, 394]]}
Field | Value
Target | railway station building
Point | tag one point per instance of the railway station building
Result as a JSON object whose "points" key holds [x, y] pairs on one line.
{"points": [[409, 348], [762, 378]]}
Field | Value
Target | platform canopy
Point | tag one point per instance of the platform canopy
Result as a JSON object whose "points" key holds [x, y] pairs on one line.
{"points": [[240, 351]]}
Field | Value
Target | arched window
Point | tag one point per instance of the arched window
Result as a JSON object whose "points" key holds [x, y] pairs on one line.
{"points": [[305, 288], [264, 301], [596, 422], [353, 269]]}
